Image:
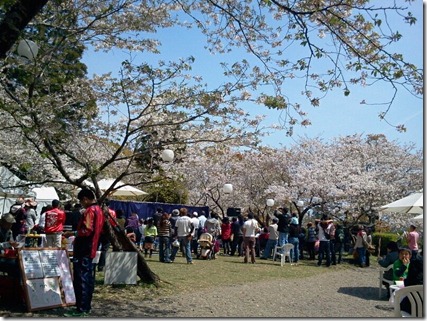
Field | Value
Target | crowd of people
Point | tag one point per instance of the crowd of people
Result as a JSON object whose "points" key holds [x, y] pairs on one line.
{"points": [[180, 231], [322, 237], [180, 228], [241, 235]]}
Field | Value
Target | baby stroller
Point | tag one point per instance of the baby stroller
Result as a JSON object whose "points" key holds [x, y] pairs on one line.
{"points": [[206, 243]]}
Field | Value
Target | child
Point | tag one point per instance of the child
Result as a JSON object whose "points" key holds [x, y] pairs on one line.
{"points": [[142, 233], [150, 234], [294, 219], [131, 234], [401, 266]]}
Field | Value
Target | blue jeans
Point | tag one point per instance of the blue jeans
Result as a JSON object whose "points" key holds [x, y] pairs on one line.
{"points": [[324, 250], [83, 282], [362, 255], [295, 251], [271, 244], [283, 238], [187, 248], [164, 249]]}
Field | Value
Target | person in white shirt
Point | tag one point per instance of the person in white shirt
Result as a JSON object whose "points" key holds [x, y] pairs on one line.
{"points": [[32, 216], [184, 231], [324, 241], [195, 222], [250, 228], [272, 239], [202, 219]]}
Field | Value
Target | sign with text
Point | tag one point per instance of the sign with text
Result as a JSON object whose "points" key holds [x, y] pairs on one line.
{"points": [[47, 278]]}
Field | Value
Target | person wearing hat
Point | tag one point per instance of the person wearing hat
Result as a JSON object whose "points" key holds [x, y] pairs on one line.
{"points": [[9, 267], [6, 236], [172, 219], [195, 235], [32, 217], [19, 202]]}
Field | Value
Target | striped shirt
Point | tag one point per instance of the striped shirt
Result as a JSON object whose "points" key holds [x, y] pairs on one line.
{"points": [[164, 228]]}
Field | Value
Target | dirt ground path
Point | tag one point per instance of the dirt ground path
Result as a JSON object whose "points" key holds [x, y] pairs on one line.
{"points": [[343, 293]]}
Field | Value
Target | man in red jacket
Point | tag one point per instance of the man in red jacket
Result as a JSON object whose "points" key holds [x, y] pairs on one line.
{"points": [[54, 225], [87, 236]]}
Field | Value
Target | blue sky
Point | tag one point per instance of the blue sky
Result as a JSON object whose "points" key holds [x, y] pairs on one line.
{"points": [[336, 116]]}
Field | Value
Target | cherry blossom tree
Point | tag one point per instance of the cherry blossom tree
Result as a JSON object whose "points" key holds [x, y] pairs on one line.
{"points": [[348, 179], [72, 130], [330, 45], [338, 45]]}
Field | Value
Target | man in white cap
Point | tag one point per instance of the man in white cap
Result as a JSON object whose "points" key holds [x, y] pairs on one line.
{"points": [[9, 267], [32, 217], [195, 222]]}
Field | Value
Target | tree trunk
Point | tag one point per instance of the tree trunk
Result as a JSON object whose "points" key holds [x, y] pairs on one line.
{"points": [[15, 20], [121, 242]]}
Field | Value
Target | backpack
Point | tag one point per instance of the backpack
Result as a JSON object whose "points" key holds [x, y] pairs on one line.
{"points": [[288, 219], [14, 209], [341, 235], [324, 226]]}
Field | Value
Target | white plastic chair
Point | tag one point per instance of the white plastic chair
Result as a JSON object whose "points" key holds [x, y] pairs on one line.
{"points": [[284, 251], [381, 278], [415, 295]]}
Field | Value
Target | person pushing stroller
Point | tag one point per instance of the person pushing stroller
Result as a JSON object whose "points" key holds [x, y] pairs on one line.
{"points": [[213, 227]]}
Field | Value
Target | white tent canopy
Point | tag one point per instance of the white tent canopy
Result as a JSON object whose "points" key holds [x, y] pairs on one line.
{"points": [[8, 181], [412, 204], [9, 193], [120, 189], [44, 196]]}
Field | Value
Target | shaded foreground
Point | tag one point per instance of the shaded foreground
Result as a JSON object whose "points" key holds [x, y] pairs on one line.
{"points": [[338, 291]]}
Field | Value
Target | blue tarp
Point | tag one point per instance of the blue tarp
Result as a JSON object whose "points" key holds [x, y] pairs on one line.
{"points": [[147, 209]]}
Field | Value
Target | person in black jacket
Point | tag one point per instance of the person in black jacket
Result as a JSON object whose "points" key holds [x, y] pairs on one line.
{"points": [[294, 231], [237, 232], [283, 225]]}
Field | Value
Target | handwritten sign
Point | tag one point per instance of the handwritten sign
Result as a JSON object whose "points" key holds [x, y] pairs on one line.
{"points": [[47, 278], [66, 279], [49, 263], [32, 265], [44, 292]]}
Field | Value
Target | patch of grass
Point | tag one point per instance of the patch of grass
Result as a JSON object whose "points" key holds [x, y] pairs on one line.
{"points": [[180, 277]]}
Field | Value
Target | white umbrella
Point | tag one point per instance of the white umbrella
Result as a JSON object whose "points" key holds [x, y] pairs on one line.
{"points": [[419, 217], [410, 204], [120, 189]]}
